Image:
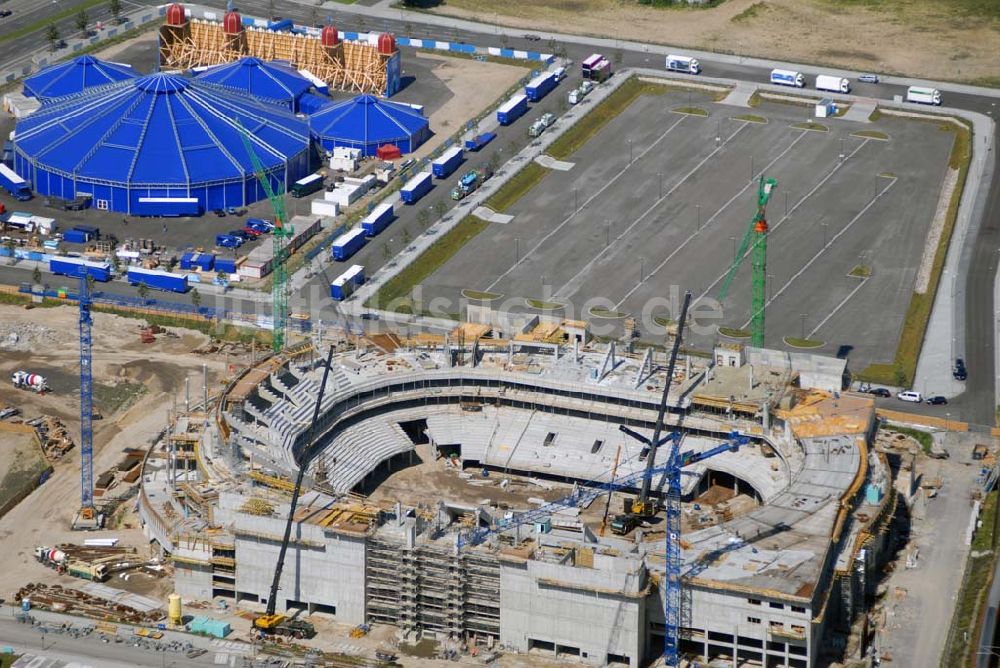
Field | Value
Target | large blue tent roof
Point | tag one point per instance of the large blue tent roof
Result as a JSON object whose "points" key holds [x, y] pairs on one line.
{"points": [[74, 76], [158, 129], [368, 120], [270, 81]]}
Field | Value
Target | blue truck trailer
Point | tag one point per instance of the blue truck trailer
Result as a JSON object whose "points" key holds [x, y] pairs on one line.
{"points": [[540, 86], [416, 187], [448, 162], [512, 109], [479, 141], [348, 244], [346, 283], [157, 279], [12, 182], [167, 206], [378, 219], [76, 267]]}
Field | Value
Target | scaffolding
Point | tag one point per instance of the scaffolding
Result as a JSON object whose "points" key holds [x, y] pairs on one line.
{"points": [[347, 66]]}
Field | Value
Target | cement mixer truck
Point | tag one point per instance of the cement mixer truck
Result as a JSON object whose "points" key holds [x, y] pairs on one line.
{"points": [[25, 380]]}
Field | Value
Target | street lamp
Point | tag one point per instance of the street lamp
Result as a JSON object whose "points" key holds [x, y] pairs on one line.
{"points": [[697, 208], [733, 239], [803, 316], [642, 261], [659, 176], [823, 225], [770, 281], [630, 151]]}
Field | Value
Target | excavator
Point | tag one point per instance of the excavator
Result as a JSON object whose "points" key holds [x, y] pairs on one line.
{"points": [[273, 623]]}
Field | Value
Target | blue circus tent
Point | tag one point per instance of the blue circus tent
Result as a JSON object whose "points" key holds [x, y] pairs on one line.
{"points": [[366, 122], [276, 82], [74, 76], [159, 136]]}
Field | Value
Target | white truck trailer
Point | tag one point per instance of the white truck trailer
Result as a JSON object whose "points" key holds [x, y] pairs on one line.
{"points": [[921, 95], [833, 84]]}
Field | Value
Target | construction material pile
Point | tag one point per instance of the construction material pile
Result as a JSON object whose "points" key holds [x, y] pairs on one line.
{"points": [[54, 437], [73, 601], [256, 506]]}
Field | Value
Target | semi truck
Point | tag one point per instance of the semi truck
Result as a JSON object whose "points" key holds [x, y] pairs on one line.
{"points": [[378, 219], [348, 244], [14, 184], [447, 163], [833, 84], [479, 141], [596, 68], [416, 188], [920, 95], [158, 279], [684, 64], [76, 267], [345, 284], [788, 78], [471, 181], [24, 380], [540, 86], [512, 109], [307, 185]]}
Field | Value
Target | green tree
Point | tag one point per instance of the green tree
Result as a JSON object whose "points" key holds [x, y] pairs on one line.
{"points": [[143, 292], [900, 376], [36, 275], [196, 298], [440, 207], [407, 238], [115, 7], [52, 35], [424, 218], [495, 160], [386, 251], [81, 21]]}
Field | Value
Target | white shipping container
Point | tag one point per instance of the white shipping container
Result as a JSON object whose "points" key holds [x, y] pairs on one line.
{"points": [[324, 207]]}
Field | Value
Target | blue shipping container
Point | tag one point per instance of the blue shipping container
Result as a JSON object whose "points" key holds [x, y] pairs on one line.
{"points": [[512, 109], [75, 237], [75, 267], [203, 261], [447, 163], [378, 219], [225, 265], [348, 244], [94, 232], [479, 141], [416, 187], [158, 280], [540, 86]]}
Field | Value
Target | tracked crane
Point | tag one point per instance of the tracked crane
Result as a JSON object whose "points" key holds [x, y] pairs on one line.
{"points": [[757, 235], [282, 233]]}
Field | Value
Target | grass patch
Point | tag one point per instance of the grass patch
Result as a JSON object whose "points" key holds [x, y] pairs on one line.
{"points": [[734, 333], [871, 134], [480, 295], [887, 175], [911, 339], [861, 271], [543, 305], [750, 118], [397, 289], [8, 660], [754, 100], [516, 187], [113, 398], [691, 111], [664, 322], [875, 115], [796, 342], [601, 115], [921, 437], [975, 588], [813, 127], [599, 312], [750, 12]]}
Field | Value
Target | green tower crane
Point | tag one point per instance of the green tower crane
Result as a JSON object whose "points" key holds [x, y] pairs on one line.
{"points": [[757, 235], [282, 233]]}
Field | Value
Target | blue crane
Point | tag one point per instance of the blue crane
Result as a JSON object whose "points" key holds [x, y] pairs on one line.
{"points": [[86, 518]]}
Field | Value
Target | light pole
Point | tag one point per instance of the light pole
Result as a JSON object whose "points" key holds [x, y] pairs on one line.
{"points": [[609, 233], [841, 149], [630, 151], [770, 283], [751, 168], [697, 208], [786, 204], [659, 176], [575, 206], [517, 251], [803, 316], [823, 225], [733, 239], [642, 261], [718, 132]]}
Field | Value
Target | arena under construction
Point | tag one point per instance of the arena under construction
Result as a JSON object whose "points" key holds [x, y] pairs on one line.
{"points": [[427, 450]]}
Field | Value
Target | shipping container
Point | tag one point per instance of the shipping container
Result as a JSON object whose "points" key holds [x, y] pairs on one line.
{"points": [[512, 109], [479, 141], [348, 244], [94, 232], [157, 279], [540, 86], [307, 185], [76, 267], [378, 219], [416, 187], [225, 265], [449, 161], [345, 284], [167, 206], [324, 207], [202, 261], [12, 182], [76, 237]]}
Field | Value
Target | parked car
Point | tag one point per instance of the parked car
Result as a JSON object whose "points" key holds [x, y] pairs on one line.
{"points": [[960, 373], [880, 392], [228, 241], [910, 395], [252, 231], [369, 316], [4, 13], [266, 225], [239, 233], [221, 213], [937, 400], [867, 77], [531, 38]]}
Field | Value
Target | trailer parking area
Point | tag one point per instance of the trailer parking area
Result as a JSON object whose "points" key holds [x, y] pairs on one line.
{"points": [[658, 202]]}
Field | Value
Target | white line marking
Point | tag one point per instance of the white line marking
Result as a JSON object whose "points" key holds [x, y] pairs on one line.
{"points": [[838, 307]]}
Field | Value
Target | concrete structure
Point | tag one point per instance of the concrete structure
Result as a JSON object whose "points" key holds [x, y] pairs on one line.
{"points": [[786, 560]]}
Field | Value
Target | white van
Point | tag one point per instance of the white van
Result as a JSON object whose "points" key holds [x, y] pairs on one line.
{"points": [[910, 395]]}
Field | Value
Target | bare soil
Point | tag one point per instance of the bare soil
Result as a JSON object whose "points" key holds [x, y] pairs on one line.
{"points": [[918, 38]]}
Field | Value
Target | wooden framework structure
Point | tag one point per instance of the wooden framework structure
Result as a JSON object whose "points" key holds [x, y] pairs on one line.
{"points": [[348, 66]]}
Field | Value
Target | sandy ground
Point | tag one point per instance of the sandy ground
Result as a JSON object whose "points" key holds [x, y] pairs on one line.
{"points": [[918, 38], [474, 87], [44, 517]]}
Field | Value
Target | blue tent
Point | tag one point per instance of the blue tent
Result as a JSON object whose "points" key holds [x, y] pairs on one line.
{"points": [[275, 82], [367, 122], [74, 76], [159, 136]]}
